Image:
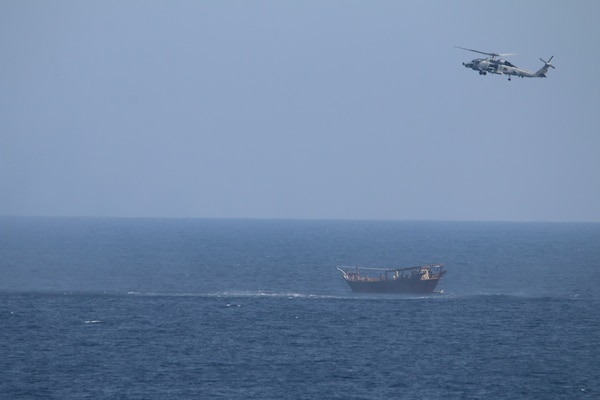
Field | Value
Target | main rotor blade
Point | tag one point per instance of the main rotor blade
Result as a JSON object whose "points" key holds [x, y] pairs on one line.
{"points": [[487, 54], [477, 51]]}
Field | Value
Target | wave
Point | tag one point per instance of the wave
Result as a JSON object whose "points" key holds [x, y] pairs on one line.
{"points": [[518, 296]]}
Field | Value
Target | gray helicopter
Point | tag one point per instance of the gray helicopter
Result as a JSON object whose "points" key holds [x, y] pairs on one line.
{"points": [[495, 65]]}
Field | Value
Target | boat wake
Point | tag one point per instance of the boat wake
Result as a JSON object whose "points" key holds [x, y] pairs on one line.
{"points": [[291, 295], [242, 294], [267, 294]]}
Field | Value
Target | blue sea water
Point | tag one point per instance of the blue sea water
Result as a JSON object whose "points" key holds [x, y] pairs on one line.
{"points": [[255, 309]]}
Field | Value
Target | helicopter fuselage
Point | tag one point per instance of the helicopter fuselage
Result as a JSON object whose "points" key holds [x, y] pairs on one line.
{"points": [[500, 67]]}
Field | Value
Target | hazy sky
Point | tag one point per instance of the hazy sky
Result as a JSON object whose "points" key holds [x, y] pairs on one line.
{"points": [[298, 109]]}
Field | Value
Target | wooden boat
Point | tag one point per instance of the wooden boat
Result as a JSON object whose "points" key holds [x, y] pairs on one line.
{"points": [[421, 279]]}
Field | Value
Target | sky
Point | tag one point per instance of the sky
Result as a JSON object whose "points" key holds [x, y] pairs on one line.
{"points": [[298, 109]]}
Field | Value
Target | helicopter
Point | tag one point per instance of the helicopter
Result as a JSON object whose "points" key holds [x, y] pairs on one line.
{"points": [[495, 65]]}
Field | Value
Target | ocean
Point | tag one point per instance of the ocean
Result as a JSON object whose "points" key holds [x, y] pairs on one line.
{"points": [[100, 308]]}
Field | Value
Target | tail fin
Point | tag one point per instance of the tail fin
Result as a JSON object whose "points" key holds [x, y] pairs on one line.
{"points": [[541, 73]]}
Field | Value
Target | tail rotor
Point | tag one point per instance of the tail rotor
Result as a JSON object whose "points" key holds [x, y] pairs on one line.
{"points": [[547, 63]]}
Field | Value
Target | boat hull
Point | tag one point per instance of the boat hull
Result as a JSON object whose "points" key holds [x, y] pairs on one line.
{"points": [[394, 286]]}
